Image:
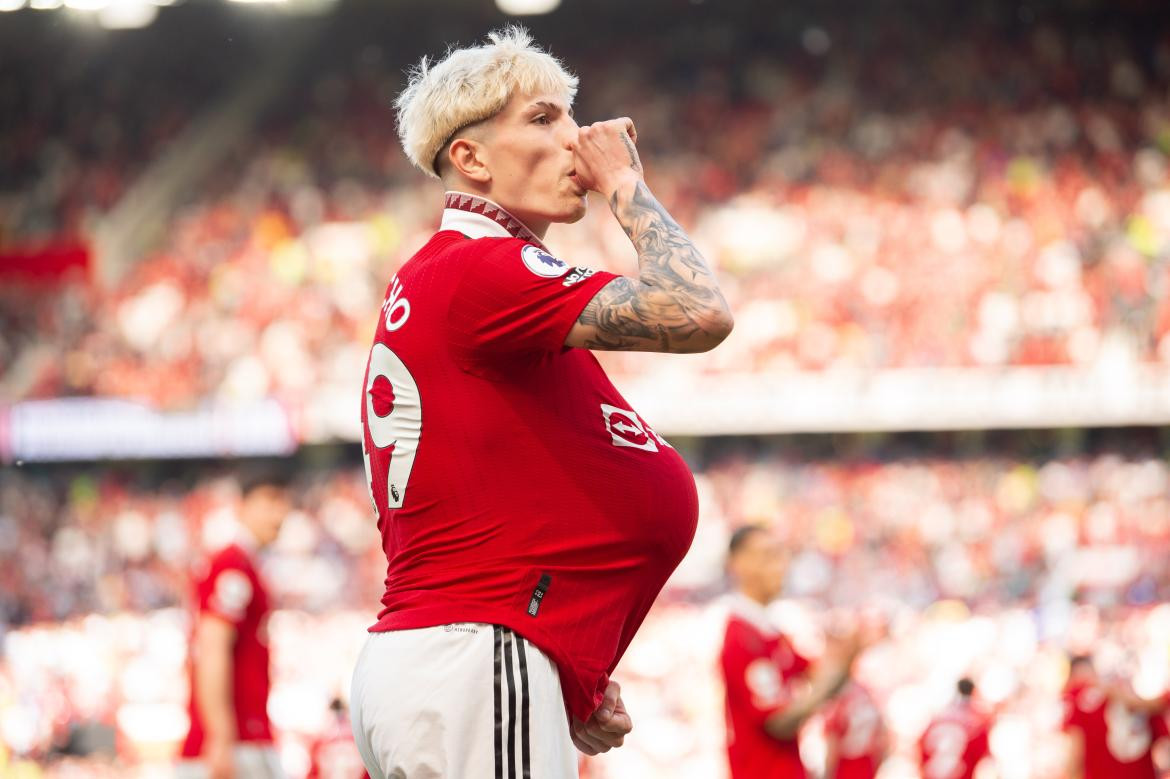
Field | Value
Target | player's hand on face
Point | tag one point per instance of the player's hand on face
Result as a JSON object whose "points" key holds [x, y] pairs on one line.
{"points": [[605, 156], [608, 726]]}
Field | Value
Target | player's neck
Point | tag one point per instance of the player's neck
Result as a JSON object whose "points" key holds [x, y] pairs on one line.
{"points": [[246, 537], [476, 215], [761, 599]]}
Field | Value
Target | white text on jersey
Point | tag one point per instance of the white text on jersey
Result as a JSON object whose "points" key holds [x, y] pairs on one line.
{"points": [[396, 307]]}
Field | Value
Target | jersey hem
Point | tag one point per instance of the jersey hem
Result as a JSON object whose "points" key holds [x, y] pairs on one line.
{"points": [[576, 700]]}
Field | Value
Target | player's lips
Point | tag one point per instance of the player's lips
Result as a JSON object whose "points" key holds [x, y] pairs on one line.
{"points": [[576, 182]]}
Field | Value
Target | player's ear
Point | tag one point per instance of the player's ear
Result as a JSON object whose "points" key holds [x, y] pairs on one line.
{"points": [[469, 159]]}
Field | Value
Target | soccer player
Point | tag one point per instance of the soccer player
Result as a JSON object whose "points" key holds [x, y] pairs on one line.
{"points": [[855, 735], [230, 735], [771, 689], [956, 740], [332, 755], [529, 515], [1111, 730]]}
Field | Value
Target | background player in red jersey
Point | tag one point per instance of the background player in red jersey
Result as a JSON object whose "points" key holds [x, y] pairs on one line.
{"points": [[332, 755], [1112, 731], [528, 514], [956, 740], [230, 735], [855, 735], [771, 689]]}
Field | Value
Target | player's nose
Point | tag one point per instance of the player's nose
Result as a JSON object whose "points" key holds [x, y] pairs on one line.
{"points": [[568, 132]]}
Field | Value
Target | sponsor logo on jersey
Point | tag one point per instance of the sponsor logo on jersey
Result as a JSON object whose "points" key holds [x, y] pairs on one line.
{"points": [[764, 682], [577, 274], [542, 263], [231, 594], [625, 429]]}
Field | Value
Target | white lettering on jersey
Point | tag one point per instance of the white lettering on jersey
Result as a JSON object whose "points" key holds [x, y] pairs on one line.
{"points": [[626, 429], [945, 743], [764, 683], [231, 594], [542, 263], [1128, 733], [861, 726], [396, 308], [394, 418], [578, 274]]}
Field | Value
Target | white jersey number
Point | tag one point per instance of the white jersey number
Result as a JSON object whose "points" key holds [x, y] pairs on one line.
{"points": [[1128, 733], [862, 727], [391, 390], [946, 744]]}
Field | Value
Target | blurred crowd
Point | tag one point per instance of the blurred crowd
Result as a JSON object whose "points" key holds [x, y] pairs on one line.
{"points": [[986, 185], [988, 566], [875, 195], [82, 113]]}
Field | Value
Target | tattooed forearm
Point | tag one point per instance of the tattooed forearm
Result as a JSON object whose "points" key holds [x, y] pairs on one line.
{"points": [[674, 305], [632, 150]]}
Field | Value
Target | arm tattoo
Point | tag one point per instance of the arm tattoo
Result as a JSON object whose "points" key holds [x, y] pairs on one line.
{"points": [[635, 163], [674, 305]]}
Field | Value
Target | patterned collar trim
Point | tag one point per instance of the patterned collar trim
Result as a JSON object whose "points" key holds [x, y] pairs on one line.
{"points": [[478, 217]]}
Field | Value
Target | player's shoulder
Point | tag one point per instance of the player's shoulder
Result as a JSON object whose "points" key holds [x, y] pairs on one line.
{"points": [[230, 555], [742, 635], [511, 256]]}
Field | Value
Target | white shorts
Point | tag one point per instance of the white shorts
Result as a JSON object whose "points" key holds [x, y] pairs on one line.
{"points": [[252, 762], [460, 701]]}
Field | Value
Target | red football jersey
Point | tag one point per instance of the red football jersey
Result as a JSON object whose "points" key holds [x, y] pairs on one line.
{"points": [[1118, 742], [512, 482], [334, 755], [229, 586], [954, 742], [760, 668], [854, 722]]}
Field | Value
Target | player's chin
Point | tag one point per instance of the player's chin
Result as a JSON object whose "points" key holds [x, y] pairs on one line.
{"points": [[575, 209]]}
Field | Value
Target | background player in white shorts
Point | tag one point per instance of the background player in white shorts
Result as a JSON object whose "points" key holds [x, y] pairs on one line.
{"points": [[529, 515]]}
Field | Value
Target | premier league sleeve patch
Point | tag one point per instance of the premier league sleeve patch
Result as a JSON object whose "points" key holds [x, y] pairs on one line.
{"points": [[542, 263]]}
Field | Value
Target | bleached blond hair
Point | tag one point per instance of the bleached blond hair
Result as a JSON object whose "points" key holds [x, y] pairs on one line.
{"points": [[470, 85]]}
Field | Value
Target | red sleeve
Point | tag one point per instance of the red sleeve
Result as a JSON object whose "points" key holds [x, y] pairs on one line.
{"points": [[227, 590], [1072, 713], [755, 688], [981, 743], [1159, 725], [836, 721], [800, 664], [514, 298]]}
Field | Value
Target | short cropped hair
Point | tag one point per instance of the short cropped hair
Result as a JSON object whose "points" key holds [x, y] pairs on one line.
{"points": [[259, 476], [740, 537], [470, 85]]}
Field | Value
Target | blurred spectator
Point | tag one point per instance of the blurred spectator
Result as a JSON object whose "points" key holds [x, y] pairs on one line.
{"points": [[990, 214]]}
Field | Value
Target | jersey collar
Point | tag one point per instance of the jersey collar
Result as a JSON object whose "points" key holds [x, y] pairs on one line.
{"points": [[244, 538], [478, 217], [753, 613]]}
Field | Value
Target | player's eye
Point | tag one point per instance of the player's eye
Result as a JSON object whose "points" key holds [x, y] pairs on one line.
{"points": [[541, 119]]}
